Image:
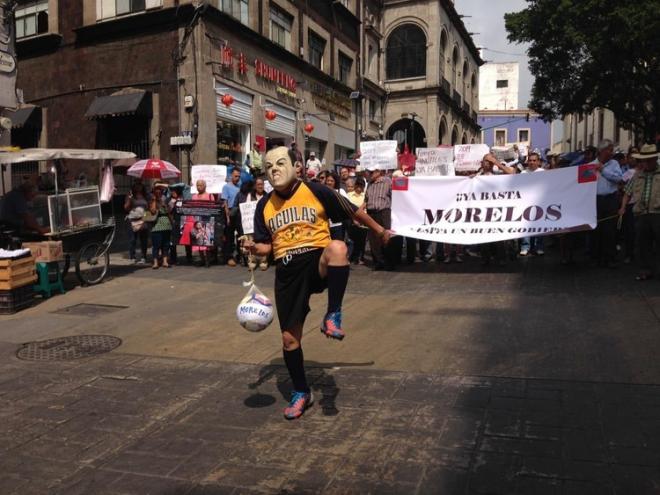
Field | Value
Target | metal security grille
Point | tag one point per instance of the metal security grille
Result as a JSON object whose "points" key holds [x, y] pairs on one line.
{"points": [[68, 348]]}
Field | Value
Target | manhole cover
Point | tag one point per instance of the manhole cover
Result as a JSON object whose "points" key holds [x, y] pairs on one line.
{"points": [[89, 309], [66, 348]]}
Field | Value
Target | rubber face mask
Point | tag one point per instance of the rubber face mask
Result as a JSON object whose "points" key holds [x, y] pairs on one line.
{"points": [[280, 171]]}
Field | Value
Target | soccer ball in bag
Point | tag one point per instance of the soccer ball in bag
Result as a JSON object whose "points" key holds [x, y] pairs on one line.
{"points": [[255, 312]]}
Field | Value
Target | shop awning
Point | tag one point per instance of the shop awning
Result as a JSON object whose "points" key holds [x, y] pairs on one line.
{"points": [[29, 116], [118, 105]]}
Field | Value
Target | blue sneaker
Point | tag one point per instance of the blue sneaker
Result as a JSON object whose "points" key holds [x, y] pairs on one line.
{"points": [[331, 326], [300, 401]]}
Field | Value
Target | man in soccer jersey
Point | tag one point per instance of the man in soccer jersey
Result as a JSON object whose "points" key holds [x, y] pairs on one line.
{"points": [[292, 222]]}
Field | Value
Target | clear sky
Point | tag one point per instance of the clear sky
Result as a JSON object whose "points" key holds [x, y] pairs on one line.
{"points": [[487, 19]]}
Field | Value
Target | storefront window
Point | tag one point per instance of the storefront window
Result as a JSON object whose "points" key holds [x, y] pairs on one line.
{"points": [[342, 152], [233, 142]]}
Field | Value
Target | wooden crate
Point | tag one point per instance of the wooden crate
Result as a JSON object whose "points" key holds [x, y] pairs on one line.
{"points": [[17, 273]]}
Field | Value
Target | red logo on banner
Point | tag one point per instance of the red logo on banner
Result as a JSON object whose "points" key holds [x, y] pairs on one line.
{"points": [[587, 173], [400, 184]]}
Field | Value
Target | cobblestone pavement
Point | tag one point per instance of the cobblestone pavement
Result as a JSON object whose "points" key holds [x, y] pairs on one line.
{"points": [[129, 424]]}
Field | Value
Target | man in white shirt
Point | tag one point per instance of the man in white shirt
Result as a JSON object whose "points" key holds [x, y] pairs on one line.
{"points": [[533, 244], [607, 205], [313, 163]]}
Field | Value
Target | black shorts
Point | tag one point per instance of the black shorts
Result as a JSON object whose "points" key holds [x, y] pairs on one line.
{"points": [[296, 279]]}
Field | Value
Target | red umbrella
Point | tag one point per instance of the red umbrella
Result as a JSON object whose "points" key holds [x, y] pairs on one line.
{"points": [[153, 169], [407, 160]]}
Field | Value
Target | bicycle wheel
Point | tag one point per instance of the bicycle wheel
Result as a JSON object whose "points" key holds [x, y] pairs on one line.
{"points": [[92, 263]]}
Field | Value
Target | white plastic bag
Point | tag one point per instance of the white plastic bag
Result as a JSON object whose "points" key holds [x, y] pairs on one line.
{"points": [[255, 311]]}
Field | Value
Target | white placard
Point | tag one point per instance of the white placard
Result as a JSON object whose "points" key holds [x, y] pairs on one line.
{"points": [[467, 157], [435, 161], [491, 208], [378, 154], [247, 216], [215, 177], [267, 187]]}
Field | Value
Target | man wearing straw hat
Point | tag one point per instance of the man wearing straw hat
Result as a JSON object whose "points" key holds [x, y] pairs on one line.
{"points": [[644, 190]]}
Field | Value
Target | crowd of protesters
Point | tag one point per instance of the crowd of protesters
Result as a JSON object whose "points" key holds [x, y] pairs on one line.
{"points": [[628, 211]]}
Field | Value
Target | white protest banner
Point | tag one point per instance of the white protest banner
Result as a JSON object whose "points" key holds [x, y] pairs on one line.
{"points": [[503, 153], [215, 177], [247, 216], [467, 157], [378, 154], [435, 161], [462, 210]]}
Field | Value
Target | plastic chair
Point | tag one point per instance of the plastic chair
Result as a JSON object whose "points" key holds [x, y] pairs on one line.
{"points": [[44, 284]]}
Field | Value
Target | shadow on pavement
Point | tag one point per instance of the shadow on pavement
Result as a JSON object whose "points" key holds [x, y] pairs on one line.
{"points": [[323, 384]]}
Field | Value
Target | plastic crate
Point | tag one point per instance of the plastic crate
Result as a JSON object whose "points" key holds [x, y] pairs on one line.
{"points": [[15, 300]]}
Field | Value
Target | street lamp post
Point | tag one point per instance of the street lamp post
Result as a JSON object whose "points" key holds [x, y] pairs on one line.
{"points": [[411, 116]]}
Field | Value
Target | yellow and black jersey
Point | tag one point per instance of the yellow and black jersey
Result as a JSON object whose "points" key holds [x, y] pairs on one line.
{"points": [[301, 219]]}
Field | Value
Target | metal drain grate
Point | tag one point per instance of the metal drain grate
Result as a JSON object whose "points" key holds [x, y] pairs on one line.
{"points": [[89, 309], [67, 348]]}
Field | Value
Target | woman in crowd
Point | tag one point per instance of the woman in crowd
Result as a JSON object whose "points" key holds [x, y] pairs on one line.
{"points": [[176, 196], [136, 206], [337, 231], [357, 232], [162, 227]]}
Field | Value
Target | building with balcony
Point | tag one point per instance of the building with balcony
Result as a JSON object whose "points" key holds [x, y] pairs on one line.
{"points": [[221, 74], [430, 74], [199, 82]]}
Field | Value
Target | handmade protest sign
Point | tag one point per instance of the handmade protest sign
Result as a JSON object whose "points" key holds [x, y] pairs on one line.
{"points": [[215, 177], [247, 216], [467, 157], [462, 210], [435, 161], [378, 154]]}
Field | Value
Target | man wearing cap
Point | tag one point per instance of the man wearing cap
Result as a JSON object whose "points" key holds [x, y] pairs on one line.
{"points": [[378, 200], [314, 164], [644, 190], [607, 204]]}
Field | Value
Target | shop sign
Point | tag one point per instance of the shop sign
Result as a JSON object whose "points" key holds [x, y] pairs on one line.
{"points": [[277, 76], [7, 62], [227, 60], [330, 100]]}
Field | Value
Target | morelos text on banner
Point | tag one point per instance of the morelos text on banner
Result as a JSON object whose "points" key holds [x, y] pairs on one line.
{"points": [[435, 161], [215, 177], [378, 154], [462, 210], [467, 157]]}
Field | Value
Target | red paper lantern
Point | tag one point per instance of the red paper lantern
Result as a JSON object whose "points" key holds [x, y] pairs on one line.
{"points": [[227, 100], [309, 128], [271, 114]]}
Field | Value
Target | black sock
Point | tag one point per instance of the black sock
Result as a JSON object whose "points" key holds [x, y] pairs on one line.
{"points": [[294, 363], [337, 282]]}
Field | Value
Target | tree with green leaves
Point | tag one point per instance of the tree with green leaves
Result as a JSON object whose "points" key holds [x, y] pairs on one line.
{"points": [[587, 54]]}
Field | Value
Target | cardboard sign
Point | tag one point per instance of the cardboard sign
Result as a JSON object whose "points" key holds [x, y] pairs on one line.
{"points": [[215, 177], [247, 216], [467, 157], [435, 161], [378, 154]]}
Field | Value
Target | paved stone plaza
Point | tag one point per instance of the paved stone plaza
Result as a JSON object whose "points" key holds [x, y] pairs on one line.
{"points": [[527, 379]]}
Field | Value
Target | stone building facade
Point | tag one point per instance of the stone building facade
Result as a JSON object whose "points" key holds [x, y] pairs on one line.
{"points": [[580, 131], [430, 74], [199, 82]]}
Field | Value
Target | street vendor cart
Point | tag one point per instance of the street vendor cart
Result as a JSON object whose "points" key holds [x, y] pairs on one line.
{"points": [[74, 215]]}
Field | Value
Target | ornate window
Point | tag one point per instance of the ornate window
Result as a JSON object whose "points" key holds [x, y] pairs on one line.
{"points": [[406, 52]]}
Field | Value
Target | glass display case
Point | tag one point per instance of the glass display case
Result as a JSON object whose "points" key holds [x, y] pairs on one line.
{"points": [[77, 208]]}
